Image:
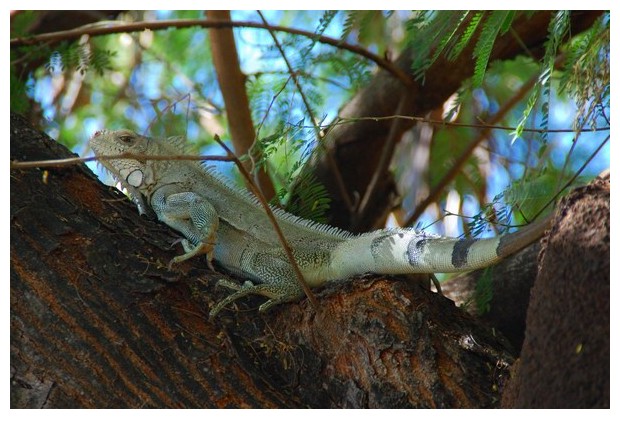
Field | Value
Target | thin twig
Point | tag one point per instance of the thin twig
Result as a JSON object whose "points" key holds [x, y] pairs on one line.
{"points": [[272, 218], [273, 100], [293, 75], [169, 108], [99, 30], [382, 166], [587, 161], [492, 222], [310, 76], [572, 148], [460, 161], [342, 121], [72, 161]]}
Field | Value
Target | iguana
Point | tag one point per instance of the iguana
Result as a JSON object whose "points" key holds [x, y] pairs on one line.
{"points": [[231, 227]]}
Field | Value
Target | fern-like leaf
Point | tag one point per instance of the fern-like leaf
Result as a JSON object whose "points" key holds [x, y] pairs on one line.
{"points": [[484, 46], [530, 194], [312, 199], [558, 27], [465, 36], [429, 38], [349, 23], [324, 22], [449, 35], [80, 57], [587, 76]]}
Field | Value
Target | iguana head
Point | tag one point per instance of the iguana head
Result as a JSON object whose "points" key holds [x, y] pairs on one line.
{"points": [[131, 172]]}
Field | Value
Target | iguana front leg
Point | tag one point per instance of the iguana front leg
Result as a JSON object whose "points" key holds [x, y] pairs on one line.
{"points": [[192, 216]]}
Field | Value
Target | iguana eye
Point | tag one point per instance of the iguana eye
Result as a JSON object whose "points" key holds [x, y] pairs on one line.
{"points": [[126, 138]]}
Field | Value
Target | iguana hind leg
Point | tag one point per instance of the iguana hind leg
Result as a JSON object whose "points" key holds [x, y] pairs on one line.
{"points": [[277, 294]]}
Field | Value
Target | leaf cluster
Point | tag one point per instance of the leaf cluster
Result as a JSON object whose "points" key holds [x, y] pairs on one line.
{"points": [[436, 33], [587, 74], [79, 57], [62, 58]]}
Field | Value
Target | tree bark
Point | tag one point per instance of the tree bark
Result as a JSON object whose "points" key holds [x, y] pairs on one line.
{"points": [[98, 320], [565, 361]]}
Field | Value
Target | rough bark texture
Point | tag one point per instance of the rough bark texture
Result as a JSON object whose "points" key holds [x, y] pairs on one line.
{"points": [[565, 361], [353, 150], [98, 320]]}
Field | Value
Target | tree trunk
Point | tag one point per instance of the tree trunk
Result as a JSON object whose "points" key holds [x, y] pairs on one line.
{"points": [[98, 320], [565, 358]]}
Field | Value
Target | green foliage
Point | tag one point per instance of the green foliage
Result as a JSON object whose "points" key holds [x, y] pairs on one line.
{"points": [[21, 23], [324, 22], [587, 76], [285, 143], [558, 28], [263, 93], [19, 89], [433, 33], [449, 28], [466, 36], [483, 292], [361, 21], [449, 144], [64, 57], [312, 200], [497, 23], [81, 57], [370, 26], [531, 194]]}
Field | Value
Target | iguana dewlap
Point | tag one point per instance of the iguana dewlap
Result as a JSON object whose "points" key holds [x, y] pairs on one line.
{"points": [[230, 226]]}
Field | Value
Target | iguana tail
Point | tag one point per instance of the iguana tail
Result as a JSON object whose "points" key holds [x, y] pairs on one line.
{"points": [[401, 251]]}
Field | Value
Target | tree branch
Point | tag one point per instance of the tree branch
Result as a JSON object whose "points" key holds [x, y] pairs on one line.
{"points": [[343, 121], [113, 28], [293, 75], [460, 161], [232, 84], [80, 160]]}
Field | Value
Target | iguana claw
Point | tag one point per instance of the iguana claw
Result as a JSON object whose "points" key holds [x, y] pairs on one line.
{"points": [[191, 251]]}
